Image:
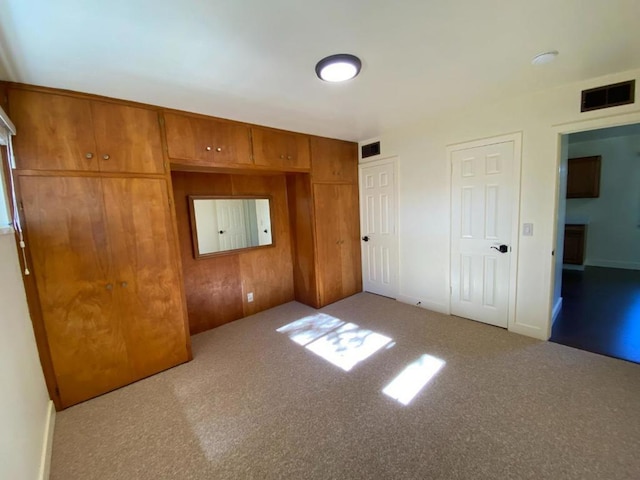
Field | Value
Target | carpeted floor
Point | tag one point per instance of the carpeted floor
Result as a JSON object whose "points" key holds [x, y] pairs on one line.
{"points": [[255, 404]]}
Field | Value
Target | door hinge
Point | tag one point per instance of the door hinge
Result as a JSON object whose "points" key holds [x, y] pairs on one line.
{"points": [[57, 390]]}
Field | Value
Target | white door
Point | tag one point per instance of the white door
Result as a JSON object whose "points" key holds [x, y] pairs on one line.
{"points": [[482, 206], [231, 224], [378, 229]]}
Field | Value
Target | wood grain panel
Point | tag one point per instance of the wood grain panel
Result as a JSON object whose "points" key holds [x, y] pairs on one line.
{"points": [[147, 287], [280, 150], [55, 132], [71, 263], [350, 254], [334, 161], [188, 138], [129, 136], [213, 286], [268, 272], [303, 243]]}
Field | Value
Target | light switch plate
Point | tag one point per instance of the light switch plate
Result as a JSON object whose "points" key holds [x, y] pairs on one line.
{"points": [[250, 297], [527, 229]]}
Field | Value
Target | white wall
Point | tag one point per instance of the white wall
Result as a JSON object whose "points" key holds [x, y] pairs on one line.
{"points": [[24, 402], [424, 191], [613, 233], [560, 221]]}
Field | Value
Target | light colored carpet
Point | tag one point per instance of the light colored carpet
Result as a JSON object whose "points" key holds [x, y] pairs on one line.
{"points": [[253, 404]]}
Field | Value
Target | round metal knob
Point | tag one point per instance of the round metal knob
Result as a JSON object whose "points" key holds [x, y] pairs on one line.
{"points": [[282, 156], [208, 149], [123, 284], [288, 157], [219, 149], [365, 238], [88, 155], [109, 286], [105, 157], [221, 232]]}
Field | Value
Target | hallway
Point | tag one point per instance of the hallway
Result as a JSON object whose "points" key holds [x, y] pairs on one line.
{"points": [[600, 312]]}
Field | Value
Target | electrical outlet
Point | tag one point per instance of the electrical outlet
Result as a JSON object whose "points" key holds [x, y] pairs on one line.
{"points": [[250, 297]]}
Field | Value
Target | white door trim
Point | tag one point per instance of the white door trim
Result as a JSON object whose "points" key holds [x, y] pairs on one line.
{"points": [[390, 160], [516, 138]]}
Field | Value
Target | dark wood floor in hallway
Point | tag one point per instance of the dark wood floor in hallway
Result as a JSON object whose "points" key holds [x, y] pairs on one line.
{"points": [[600, 312]]}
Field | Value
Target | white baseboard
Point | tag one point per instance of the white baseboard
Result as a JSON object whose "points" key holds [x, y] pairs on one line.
{"points": [[597, 262], [556, 310], [47, 443], [426, 304]]}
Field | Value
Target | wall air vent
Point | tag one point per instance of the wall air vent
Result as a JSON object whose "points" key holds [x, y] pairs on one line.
{"points": [[608, 96], [370, 150]]}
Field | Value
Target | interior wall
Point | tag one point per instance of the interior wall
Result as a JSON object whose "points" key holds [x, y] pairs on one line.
{"points": [[424, 181], [613, 230], [24, 403], [562, 206], [216, 287]]}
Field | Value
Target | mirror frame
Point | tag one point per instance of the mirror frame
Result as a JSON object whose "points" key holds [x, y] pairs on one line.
{"points": [[194, 233]]}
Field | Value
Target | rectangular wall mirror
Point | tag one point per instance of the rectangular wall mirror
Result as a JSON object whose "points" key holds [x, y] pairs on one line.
{"points": [[229, 224]]}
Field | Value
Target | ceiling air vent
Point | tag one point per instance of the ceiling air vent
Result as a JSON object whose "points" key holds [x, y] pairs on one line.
{"points": [[608, 96], [370, 150]]}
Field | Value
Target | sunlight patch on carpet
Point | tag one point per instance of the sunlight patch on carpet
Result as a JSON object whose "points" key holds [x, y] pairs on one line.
{"points": [[413, 378], [340, 343]]}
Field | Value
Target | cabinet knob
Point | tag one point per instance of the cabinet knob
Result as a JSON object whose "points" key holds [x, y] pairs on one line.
{"points": [[288, 157], [105, 157], [109, 286], [123, 284], [282, 156], [219, 149], [208, 149], [88, 155]]}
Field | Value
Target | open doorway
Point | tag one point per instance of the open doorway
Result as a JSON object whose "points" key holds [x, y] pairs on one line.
{"points": [[597, 288]]}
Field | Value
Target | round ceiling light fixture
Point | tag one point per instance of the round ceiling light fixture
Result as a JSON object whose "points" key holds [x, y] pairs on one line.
{"points": [[545, 57], [338, 68]]}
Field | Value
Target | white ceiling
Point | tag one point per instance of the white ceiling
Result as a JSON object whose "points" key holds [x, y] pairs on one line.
{"points": [[253, 60]]}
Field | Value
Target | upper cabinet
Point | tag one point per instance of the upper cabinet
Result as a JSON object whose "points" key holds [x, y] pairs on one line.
{"points": [[281, 150], [583, 177], [207, 143], [333, 161], [59, 132]]}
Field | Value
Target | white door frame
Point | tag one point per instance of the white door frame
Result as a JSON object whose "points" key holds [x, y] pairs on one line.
{"points": [[516, 138], [559, 130], [390, 160]]}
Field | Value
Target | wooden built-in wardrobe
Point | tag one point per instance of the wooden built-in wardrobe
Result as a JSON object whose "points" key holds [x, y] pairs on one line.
{"points": [[107, 242]]}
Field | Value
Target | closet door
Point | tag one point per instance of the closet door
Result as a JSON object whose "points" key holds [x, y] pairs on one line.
{"points": [[147, 280], [65, 224], [349, 221]]}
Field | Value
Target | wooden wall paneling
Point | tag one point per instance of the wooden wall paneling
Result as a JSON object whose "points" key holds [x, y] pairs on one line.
{"points": [[268, 272], [301, 219], [213, 285], [4, 96], [128, 138], [54, 132], [334, 161], [146, 273], [71, 263]]}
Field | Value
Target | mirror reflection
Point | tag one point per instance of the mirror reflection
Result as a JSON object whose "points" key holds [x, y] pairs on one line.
{"points": [[224, 224]]}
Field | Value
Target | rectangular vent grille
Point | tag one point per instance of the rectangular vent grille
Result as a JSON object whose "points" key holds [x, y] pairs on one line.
{"points": [[370, 150], [608, 96]]}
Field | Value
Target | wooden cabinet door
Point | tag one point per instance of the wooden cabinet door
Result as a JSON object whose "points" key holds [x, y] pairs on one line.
{"points": [[128, 138], [188, 138], [334, 161], [54, 132], [280, 150], [574, 244], [65, 223], [147, 280], [231, 144], [328, 233], [583, 177], [350, 256]]}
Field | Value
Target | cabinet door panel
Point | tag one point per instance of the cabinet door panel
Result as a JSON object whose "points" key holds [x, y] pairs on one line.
{"points": [[66, 232], [350, 257], [129, 136], [298, 156], [334, 161], [328, 226], [280, 150], [54, 132], [188, 138], [147, 279], [231, 144]]}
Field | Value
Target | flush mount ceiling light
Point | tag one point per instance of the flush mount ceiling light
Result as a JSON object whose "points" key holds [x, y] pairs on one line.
{"points": [[338, 68], [545, 57]]}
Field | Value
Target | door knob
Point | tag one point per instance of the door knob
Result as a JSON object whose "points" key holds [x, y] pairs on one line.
{"points": [[265, 231], [501, 248], [365, 238], [221, 232]]}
